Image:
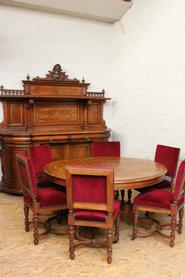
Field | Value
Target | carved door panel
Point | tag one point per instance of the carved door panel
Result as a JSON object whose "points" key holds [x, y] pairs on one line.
{"points": [[57, 152], [79, 150], [64, 115], [15, 116]]}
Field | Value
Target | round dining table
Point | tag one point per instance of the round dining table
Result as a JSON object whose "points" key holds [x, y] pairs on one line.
{"points": [[129, 173]]}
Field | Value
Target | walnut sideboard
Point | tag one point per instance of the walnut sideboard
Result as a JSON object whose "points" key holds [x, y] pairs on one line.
{"points": [[54, 110]]}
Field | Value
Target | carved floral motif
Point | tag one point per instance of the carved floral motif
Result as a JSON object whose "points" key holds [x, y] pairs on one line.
{"points": [[56, 74]]}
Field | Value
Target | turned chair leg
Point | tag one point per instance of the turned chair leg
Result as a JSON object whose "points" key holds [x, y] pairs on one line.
{"points": [[35, 228], [180, 225], [26, 218], [173, 227], [109, 246], [134, 234], [71, 242], [117, 225]]}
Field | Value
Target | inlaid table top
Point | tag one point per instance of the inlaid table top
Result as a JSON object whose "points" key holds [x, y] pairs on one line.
{"points": [[129, 173]]}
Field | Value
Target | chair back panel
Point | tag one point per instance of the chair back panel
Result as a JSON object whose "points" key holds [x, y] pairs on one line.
{"points": [[27, 174], [90, 187], [168, 156], [180, 181], [106, 148], [40, 156]]}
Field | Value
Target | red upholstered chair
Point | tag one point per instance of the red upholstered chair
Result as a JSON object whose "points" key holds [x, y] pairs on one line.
{"points": [[40, 155], [36, 198], [105, 148], [110, 149], [90, 200], [165, 202], [169, 157]]}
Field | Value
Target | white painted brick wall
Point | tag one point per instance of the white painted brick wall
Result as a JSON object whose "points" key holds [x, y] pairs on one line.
{"points": [[32, 42], [144, 71], [149, 77]]}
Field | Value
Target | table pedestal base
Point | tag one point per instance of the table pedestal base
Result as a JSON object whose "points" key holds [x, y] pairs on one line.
{"points": [[53, 224]]}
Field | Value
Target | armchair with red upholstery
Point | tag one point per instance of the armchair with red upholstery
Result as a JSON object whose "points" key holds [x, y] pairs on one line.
{"points": [[90, 200], [164, 202], [38, 199]]}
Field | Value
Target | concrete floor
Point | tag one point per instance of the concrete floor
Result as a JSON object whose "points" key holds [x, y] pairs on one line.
{"points": [[146, 257]]}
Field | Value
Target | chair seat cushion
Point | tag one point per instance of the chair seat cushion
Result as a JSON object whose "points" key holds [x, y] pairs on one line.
{"points": [[96, 215], [162, 185], [156, 198], [48, 196]]}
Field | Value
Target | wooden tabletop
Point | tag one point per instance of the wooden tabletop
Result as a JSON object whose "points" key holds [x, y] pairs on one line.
{"points": [[129, 173]]}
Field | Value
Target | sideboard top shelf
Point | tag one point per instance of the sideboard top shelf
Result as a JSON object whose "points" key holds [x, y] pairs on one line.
{"points": [[55, 84]]}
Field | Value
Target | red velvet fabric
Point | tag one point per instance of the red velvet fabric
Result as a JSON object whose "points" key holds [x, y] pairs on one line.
{"points": [[96, 215], [168, 156], [40, 156], [106, 148], [162, 185], [47, 197], [157, 198], [162, 198], [27, 173], [89, 189], [180, 179]]}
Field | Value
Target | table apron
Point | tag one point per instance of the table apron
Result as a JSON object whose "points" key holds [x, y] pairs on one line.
{"points": [[117, 185], [138, 184]]}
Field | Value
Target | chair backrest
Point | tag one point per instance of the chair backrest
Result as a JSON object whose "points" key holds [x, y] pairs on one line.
{"points": [[169, 157], [40, 156], [27, 174], [90, 188], [180, 181], [105, 148]]}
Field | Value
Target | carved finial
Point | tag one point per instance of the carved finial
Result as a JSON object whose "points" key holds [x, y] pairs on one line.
{"points": [[57, 74], [83, 80], [1, 87], [28, 77], [57, 70], [103, 91]]}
